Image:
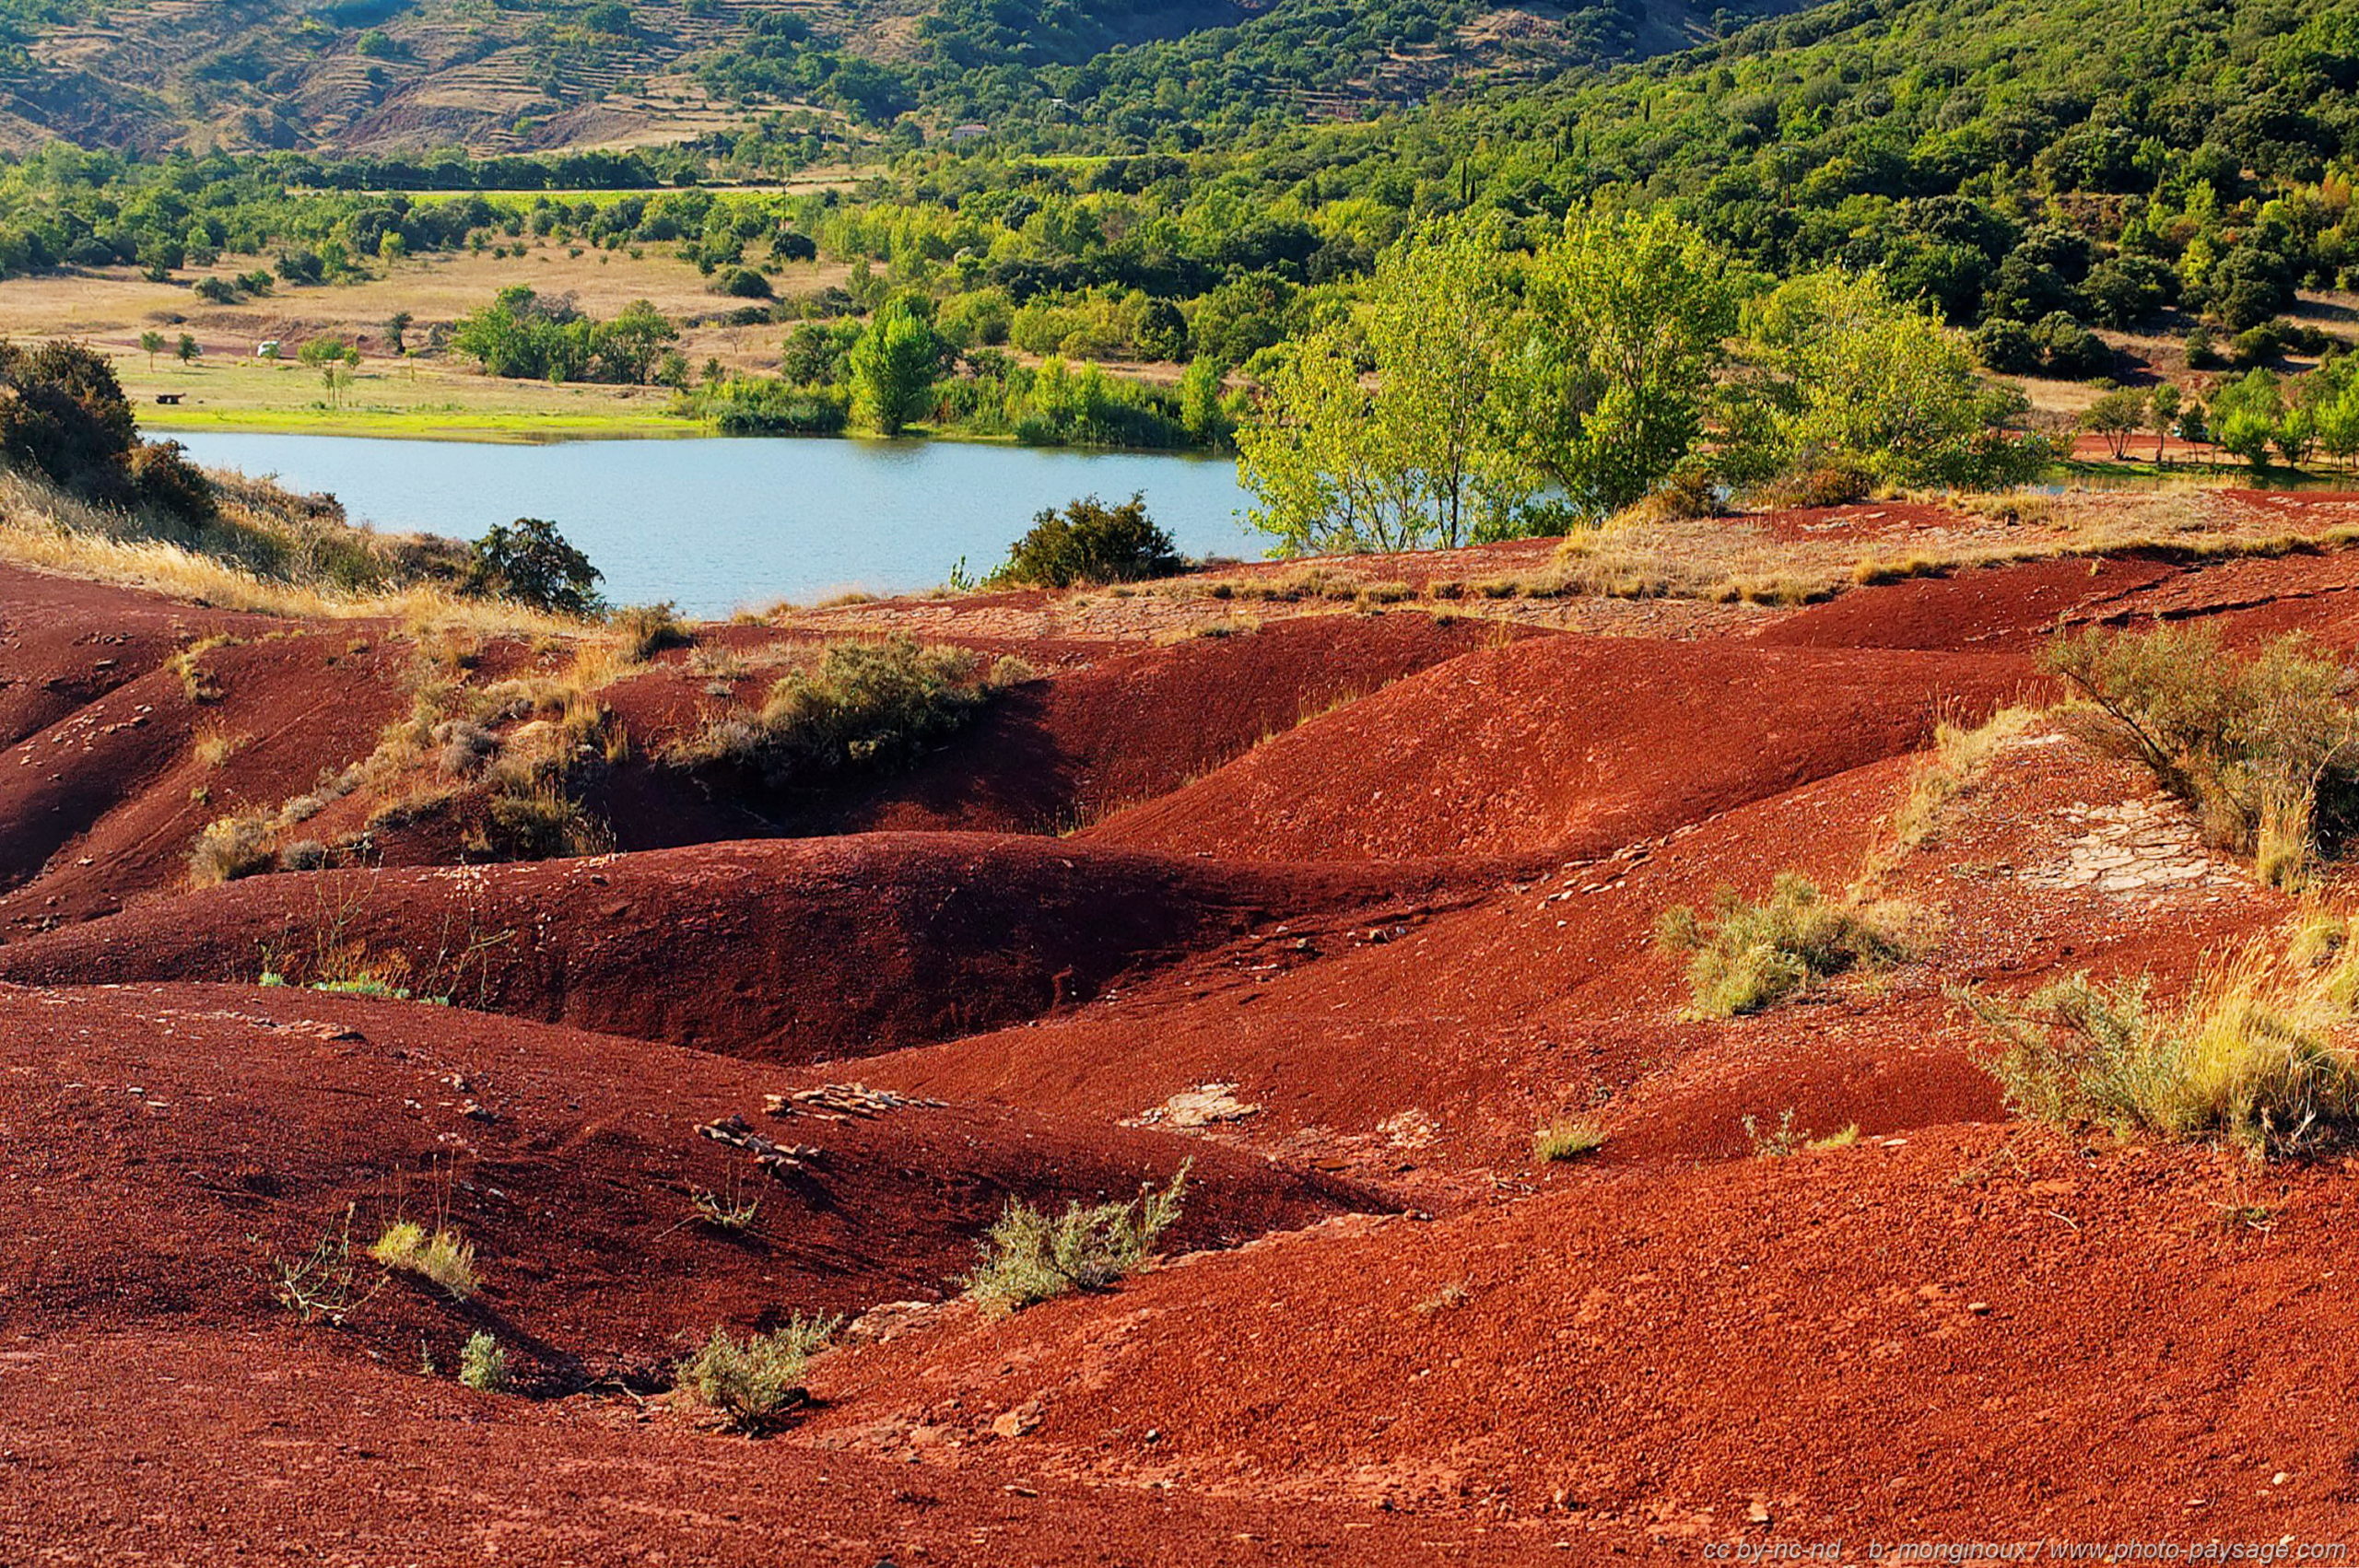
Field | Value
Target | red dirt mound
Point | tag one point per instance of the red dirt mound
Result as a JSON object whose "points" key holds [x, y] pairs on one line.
{"points": [[175, 1143], [64, 644], [103, 804], [1959, 1336], [2019, 607], [266, 1448], [1564, 746], [780, 949], [1134, 726]]}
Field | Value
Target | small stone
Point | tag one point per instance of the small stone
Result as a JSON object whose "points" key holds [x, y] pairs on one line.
{"points": [[1758, 1512], [1979, 1308]]}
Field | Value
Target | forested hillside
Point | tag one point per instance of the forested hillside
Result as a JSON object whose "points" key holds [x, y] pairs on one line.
{"points": [[409, 75]]}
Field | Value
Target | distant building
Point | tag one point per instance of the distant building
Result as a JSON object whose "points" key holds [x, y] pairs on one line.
{"points": [[969, 132]]}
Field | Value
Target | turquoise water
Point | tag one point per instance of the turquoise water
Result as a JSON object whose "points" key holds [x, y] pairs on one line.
{"points": [[715, 525]]}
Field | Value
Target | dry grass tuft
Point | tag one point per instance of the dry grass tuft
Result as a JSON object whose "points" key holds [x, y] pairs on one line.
{"points": [[1961, 754], [1568, 1139], [442, 1258], [2260, 1051]]}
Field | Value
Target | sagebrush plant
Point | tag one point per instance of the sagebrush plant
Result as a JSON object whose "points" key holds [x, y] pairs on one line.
{"points": [[1029, 1258], [2260, 1051], [230, 848], [860, 705], [1742, 958], [2264, 745], [442, 1258], [754, 1381], [1567, 1138], [483, 1362]]}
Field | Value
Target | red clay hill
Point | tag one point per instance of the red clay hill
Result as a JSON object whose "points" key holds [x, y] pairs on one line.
{"points": [[1327, 885]]}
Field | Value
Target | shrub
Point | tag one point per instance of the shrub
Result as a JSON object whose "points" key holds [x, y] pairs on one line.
{"points": [[529, 562], [483, 1362], [1029, 1258], [2253, 1054], [529, 820], [1744, 958], [1089, 541], [2265, 746], [755, 1381], [442, 1259], [745, 282], [64, 415], [648, 629], [1836, 486], [866, 703], [1568, 1140], [1688, 494], [227, 849]]}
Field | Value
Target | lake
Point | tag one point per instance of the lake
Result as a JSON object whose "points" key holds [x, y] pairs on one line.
{"points": [[715, 525]]}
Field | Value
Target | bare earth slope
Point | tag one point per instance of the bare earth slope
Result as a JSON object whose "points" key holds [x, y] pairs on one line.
{"points": [[1332, 914]]}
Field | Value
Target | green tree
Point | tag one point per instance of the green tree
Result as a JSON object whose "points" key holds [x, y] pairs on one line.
{"points": [[151, 342], [186, 350], [2117, 416], [1856, 377], [398, 327], [627, 345], [1440, 328], [530, 562], [2245, 413], [893, 364], [1201, 412], [1626, 323], [2163, 408], [1312, 456], [2337, 418]]}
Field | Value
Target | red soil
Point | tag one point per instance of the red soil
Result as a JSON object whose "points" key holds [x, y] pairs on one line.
{"points": [[783, 950], [1565, 746], [173, 1140], [1379, 949]]}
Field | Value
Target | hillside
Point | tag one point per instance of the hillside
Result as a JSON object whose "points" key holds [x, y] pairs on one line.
{"points": [[402, 75], [1324, 883]]}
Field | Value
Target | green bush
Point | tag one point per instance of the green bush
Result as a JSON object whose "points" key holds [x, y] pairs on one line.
{"points": [[753, 1381], [1089, 541], [863, 705], [64, 416], [1029, 1258], [2264, 745], [2253, 1054], [1744, 957], [483, 1364], [530, 562]]}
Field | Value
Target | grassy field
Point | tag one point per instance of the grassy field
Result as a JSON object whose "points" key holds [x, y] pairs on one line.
{"points": [[228, 388], [419, 399]]}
